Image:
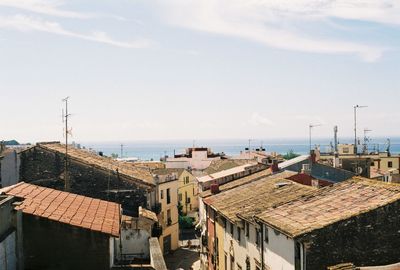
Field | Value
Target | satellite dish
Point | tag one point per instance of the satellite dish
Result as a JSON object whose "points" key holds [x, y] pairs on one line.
{"points": [[359, 170]]}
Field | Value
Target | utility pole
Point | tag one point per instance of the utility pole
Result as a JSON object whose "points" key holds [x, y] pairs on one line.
{"points": [[355, 126], [65, 118]]}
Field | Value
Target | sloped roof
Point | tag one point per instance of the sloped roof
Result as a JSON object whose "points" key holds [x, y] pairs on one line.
{"points": [[330, 204], [224, 173], [293, 161], [253, 198], [167, 171], [225, 164], [239, 182], [136, 174], [68, 208]]}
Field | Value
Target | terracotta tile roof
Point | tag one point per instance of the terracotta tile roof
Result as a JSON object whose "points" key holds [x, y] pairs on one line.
{"points": [[330, 204], [244, 180], [138, 174], [68, 208], [253, 198]]}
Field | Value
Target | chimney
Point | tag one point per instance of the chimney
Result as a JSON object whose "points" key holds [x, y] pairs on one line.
{"points": [[274, 166], [214, 189], [313, 156]]}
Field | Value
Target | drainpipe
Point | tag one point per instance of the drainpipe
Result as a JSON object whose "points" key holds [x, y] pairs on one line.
{"points": [[262, 244]]}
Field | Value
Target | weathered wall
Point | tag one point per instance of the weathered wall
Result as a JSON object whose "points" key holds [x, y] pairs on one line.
{"points": [[368, 239], [56, 246], [9, 169], [46, 168]]}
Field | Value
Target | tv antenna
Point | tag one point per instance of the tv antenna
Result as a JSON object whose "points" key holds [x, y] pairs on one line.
{"points": [[65, 117], [366, 140]]}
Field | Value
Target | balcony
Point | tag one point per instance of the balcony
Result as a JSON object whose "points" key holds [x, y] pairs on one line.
{"points": [[156, 208]]}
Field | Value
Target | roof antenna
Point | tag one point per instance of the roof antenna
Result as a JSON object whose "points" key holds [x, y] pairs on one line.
{"points": [[66, 133]]}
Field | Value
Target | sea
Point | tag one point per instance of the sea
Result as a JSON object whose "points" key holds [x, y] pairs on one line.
{"points": [[156, 149]]}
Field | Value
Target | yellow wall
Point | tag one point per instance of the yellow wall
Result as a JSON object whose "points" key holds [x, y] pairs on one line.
{"points": [[383, 163], [220, 232], [172, 229], [189, 190]]}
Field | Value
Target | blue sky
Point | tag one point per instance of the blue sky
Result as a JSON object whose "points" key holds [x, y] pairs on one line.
{"points": [[187, 69]]}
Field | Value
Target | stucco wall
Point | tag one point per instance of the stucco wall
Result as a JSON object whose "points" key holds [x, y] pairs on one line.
{"points": [[279, 251]]}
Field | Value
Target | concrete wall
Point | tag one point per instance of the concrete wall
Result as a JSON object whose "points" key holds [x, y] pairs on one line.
{"points": [[368, 239], [52, 245], [46, 168], [9, 169], [11, 255], [188, 191]]}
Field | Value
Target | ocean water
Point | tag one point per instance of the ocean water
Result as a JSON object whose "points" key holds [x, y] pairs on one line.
{"points": [[154, 150]]}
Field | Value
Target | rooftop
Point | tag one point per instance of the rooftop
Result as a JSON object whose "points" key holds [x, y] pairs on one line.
{"points": [[330, 204], [137, 174], [239, 182], [68, 208], [292, 161], [224, 164], [224, 173], [253, 198]]}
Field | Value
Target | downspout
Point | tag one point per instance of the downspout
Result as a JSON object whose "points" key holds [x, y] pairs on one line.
{"points": [[215, 242], [262, 246]]}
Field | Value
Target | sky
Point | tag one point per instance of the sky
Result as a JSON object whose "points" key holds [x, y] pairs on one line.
{"points": [[206, 69]]}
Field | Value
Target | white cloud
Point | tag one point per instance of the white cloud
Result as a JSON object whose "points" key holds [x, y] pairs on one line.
{"points": [[275, 23], [257, 119], [28, 23], [53, 8], [46, 7]]}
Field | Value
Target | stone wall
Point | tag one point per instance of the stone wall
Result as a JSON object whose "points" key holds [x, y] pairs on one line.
{"points": [[371, 238], [46, 168]]}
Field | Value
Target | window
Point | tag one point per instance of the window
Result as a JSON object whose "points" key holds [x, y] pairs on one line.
{"points": [[169, 220], [390, 164], [373, 163], [186, 180], [346, 150], [162, 194], [266, 238], [180, 197], [232, 263], [168, 196], [231, 228], [257, 237], [247, 225], [238, 233]]}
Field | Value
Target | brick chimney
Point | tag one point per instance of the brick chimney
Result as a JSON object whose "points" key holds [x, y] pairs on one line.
{"points": [[274, 166], [313, 156], [214, 189]]}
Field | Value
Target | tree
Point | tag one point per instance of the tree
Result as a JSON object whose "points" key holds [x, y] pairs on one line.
{"points": [[290, 154]]}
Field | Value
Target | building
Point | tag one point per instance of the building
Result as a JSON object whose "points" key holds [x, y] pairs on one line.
{"points": [[194, 158], [228, 175], [233, 236], [167, 199], [96, 176], [355, 220], [62, 230]]}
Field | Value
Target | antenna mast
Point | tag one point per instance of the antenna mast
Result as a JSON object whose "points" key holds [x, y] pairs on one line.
{"points": [[66, 178]]}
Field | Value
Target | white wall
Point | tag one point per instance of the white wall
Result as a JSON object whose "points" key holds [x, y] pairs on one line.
{"points": [[134, 241], [279, 252]]}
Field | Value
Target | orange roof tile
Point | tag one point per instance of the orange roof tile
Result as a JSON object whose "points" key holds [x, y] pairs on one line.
{"points": [[68, 208]]}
